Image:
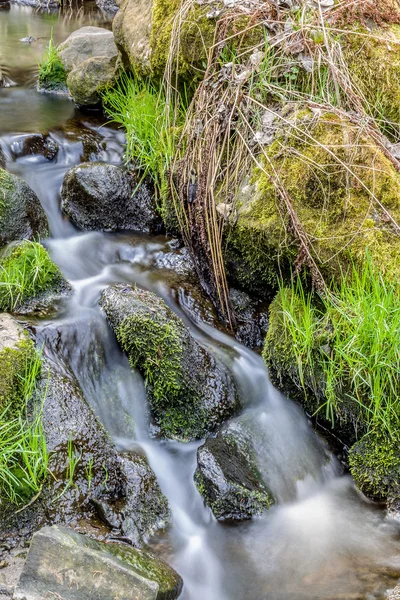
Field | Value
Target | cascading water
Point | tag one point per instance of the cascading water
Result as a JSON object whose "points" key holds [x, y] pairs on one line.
{"points": [[321, 540]]}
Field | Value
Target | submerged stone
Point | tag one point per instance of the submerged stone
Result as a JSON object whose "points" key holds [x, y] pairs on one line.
{"points": [[228, 478], [106, 197], [65, 564], [190, 392], [21, 214]]}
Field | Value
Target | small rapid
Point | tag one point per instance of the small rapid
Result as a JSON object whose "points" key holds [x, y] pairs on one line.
{"points": [[322, 539]]}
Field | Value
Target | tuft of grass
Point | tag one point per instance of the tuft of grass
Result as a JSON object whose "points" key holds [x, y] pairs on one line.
{"points": [[25, 272], [23, 450], [350, 335], [52, 74]]}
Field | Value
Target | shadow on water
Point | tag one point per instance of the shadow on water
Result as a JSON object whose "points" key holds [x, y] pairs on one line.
{"points": [[321, 540]]}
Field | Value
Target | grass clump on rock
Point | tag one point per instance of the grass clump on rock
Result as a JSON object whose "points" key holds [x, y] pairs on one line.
{"points": [[52, 74], [26, 271]]}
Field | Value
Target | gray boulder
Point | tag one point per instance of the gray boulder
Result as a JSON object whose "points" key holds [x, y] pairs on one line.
{"points": [[101, 196], [64, 564], [87, 81], [2, 159], [86, 43], [228, 478], [190, 392], [110, 7], [21, 214]]}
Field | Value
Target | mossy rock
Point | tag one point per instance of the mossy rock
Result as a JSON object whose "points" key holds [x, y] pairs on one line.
{"points": [[17, 354], [21, 214], [190, 393], [143, 33], [228, 478], [373, 59], [334, 204], [375, 466], [90, 78], [30, 281]]}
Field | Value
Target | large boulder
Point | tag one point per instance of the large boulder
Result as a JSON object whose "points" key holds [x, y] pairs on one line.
{"points": [[64, 564], [228, 478], [343, 207], [148, 32], [190, 392], [89, 58], [106, 197], [21, 214]]}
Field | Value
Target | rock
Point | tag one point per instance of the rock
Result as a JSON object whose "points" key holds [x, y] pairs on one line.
{"points": [[16, 354], [37, 282], [251, 317], [375, 466], [28, 40], [86, 81], [65, 564], [85, 43], [132, 30], [110, 7], [261, 246], [100, 196], [190, 393], [228, 478], [36, 144], [124, 490], [394, 594], [21, 214]]}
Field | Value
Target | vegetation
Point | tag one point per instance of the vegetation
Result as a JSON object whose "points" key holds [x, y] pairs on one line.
{"points": [[23, 451], [52, 75], [343, 347], [26, 270], [144, 113]]}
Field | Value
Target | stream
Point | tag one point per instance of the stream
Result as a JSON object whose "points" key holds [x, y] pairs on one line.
{"points": [[322, 540]]}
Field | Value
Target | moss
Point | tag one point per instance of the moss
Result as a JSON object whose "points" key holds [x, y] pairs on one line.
{"points": [[6, 185], [375, 465], [15, 364], [374, 65], [196, 36], [26, 271], [333, 205]]}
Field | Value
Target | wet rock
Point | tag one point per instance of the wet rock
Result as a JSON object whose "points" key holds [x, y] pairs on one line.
{"points": [[21, 214], [65, 564], [110, 7], [86, 81], [2, 159], [228, 478], [125, 489], [16, 352], [38, 283], [36, 144], [252, 319], [100, 196], [85, 43], [28, 40], [190, 392], [93, 144]]}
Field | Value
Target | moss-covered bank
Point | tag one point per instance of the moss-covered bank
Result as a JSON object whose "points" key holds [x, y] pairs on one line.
{"points": [[341, 187]]}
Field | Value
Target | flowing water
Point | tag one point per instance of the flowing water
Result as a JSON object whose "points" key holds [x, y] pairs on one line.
{"points": [[321, 540]]}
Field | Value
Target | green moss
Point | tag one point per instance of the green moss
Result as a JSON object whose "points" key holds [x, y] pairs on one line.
{"points": [[26, 271], [6, 185], [15, 364], [196, 36], [373, 59], [375, 465], [333, 203]]}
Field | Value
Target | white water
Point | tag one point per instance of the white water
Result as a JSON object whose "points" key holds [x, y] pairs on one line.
{"points": [[321, 540]]}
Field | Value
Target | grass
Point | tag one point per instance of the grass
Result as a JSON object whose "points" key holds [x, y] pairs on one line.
{"points": [[24, 273], [23, 451], [351, 335], [52, 75]]}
